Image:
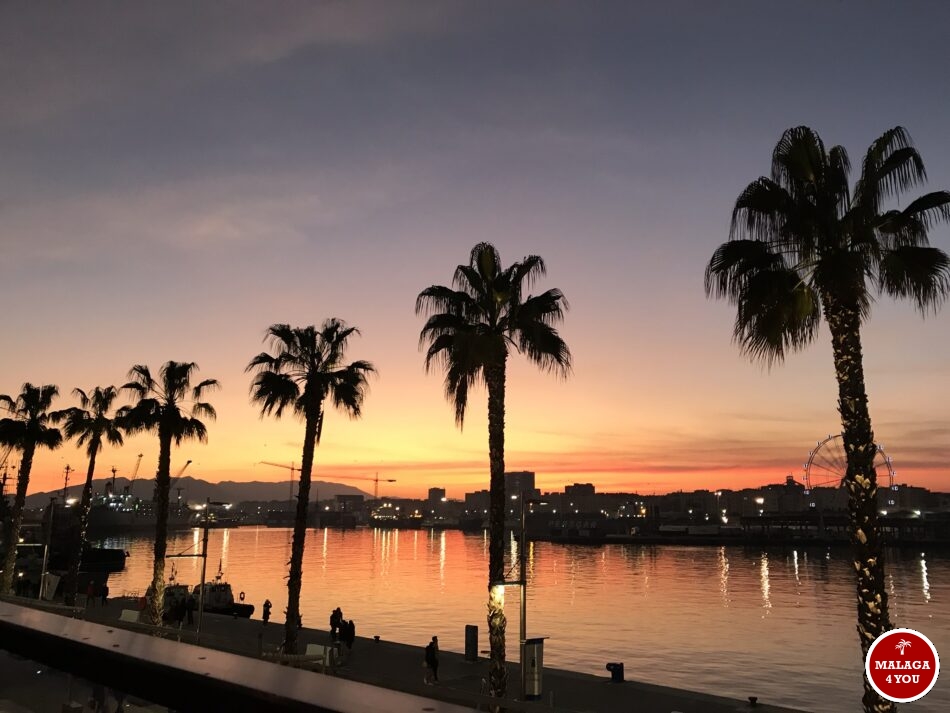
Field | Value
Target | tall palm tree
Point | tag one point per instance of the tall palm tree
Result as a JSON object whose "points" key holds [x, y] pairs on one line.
{"points": [[26, 431], [470, 331], [304, 373], [91, 425], [172, 408], [804, 245]]}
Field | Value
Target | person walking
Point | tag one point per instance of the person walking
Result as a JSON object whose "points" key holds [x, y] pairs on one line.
{"points": [[267, 608], [432, 662]]}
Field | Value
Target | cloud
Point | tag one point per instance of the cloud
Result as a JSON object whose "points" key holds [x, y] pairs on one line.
{"points": [[58, 58]]}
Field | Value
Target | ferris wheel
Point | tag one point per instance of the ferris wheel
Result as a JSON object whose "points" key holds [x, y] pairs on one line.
{"points": [[827, 465]]}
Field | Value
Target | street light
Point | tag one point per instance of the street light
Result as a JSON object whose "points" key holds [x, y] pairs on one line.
{"points": [[49, 542], [523, 582]]}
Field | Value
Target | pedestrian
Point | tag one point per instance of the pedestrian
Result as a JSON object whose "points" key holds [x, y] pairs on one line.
{"points": [[267, 608], [104, 592], [90, 594], [432, 662], [336, 621], [350, 633], [190, 607]]}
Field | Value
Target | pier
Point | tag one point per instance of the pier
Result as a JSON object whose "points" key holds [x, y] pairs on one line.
{"points": [[228, 664]]}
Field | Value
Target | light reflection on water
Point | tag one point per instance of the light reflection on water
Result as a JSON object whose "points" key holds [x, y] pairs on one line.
{"points": [[781, 625]]}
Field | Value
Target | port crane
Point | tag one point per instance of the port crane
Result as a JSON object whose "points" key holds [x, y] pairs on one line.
{"points": [[376, 479], [135, 471]]}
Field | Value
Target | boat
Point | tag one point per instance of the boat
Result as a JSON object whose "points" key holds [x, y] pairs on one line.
{"points": [[218, 598]]}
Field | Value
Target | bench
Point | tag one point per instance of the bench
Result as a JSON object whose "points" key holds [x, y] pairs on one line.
{"points": [[328, 655]]}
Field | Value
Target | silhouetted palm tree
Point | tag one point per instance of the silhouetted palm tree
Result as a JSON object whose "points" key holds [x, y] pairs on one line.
{"points": [[172, 408], [306, 370], [804, 245], [90, 424], [469, 332], [26, 431]]}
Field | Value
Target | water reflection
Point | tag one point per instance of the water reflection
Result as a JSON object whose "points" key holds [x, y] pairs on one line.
{"points": [[724, 576], [923, 576], [441, 557], [764, 582]]}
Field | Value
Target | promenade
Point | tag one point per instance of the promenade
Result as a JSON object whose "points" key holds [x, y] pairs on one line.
{"points": [[398, 666]]}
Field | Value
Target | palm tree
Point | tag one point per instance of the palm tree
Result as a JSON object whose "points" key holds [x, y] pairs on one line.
{"points": [[305, 370], [804, 245], [90, 424], [172, 408], [26, 431], [469, 332]]}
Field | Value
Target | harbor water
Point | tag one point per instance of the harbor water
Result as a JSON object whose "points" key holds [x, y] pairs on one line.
{"points": [[778, 623]]}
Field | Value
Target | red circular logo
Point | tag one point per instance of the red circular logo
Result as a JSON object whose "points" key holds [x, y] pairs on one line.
{"points": [[902, 665]]}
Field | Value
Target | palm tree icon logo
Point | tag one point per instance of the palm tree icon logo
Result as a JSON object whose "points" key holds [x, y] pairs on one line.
{"points": [[902, 644]]}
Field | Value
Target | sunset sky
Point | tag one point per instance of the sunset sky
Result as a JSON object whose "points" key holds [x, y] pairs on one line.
{"points": [[175, 177]]}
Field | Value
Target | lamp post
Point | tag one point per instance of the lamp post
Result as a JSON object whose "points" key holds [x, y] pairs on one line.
{"points": [[523, 582], [49, 542]]}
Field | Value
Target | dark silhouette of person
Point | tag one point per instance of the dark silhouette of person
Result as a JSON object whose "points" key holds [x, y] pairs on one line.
{"points": [[104, 592], [432, 661], [179, 610], [348, 633], [267, 608], [190, 606], [336, 621]]}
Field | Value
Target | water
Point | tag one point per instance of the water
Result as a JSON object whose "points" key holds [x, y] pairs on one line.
{"points": [[732, 621]]}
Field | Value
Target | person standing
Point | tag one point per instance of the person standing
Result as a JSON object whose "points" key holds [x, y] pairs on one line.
{"points": [[432, 662], [267, 608], [104, 592]]}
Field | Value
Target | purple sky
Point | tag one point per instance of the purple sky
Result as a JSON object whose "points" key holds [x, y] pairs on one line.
{"points": [[174, 178]]}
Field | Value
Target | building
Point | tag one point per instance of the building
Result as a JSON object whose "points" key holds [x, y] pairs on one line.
{"points": [[436, 495], [518, 482]]}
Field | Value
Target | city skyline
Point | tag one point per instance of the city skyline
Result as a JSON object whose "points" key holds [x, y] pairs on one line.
{"points": [[178, 179]]}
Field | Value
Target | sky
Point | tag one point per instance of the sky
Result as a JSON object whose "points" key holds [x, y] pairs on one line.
{"points": [[177, 176]]}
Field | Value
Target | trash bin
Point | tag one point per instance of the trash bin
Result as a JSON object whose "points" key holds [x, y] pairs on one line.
{"points": [[471, 642], [616, 672], [534, 665]]}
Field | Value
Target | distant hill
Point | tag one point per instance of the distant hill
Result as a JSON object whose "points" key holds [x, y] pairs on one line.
{"points": [[195, 490]]}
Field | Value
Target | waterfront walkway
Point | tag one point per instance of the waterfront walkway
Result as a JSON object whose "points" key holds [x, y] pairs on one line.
{"points": [[399, 667]]}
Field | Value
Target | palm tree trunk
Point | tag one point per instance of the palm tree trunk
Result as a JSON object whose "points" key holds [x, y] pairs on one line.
{"points": [[75, 558], [156, 594], [16, 518], [295, 579], [497, 672], [861, 481]]}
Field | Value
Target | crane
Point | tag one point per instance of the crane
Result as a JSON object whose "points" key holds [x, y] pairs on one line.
{"points": [[375, 479], [293, 469], [135, 471]]}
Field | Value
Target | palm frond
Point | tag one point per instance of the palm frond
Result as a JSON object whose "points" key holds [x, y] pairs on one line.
{"points": [[777, 313], [920, 273]]}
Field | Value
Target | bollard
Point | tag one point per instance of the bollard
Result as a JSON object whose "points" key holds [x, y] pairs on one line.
{"points": [[616, 672], [471, 642]]}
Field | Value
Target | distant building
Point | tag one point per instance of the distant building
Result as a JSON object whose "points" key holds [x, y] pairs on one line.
{"points": [[349, 503], [579, 489], [518, 482], [436, 495], [477, 502]]}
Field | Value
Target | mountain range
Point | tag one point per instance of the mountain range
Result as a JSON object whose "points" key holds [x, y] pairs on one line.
{"points": [[195, 490]]}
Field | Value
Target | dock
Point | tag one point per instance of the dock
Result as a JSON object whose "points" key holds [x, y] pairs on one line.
{"points": [[399, 667]]}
